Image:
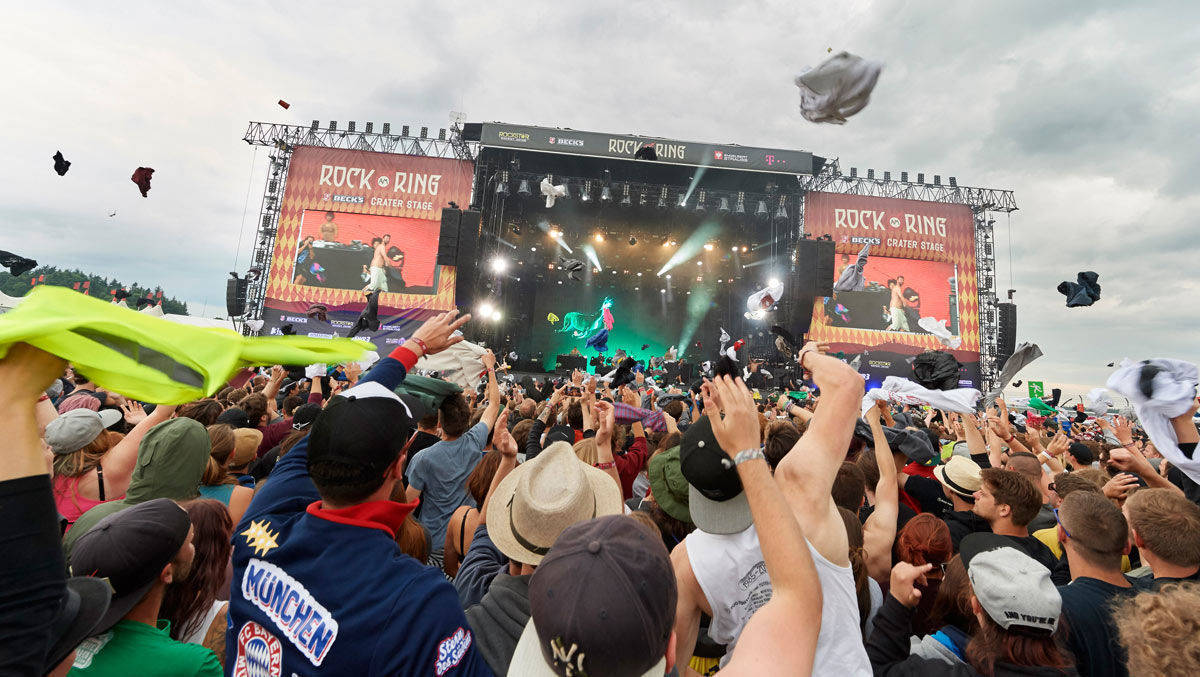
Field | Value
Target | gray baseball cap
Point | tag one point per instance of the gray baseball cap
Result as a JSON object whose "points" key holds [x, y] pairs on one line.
{"points": [[77, 428], [1013, 588]]}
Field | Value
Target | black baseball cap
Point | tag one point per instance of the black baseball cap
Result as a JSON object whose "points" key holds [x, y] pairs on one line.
{"points": [[579, 628], [84, 604], [715, 497], [366, 426], [235, 416], [304, 415], [130, 549]]}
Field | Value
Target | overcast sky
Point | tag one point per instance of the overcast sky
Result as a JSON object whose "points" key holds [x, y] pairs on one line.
{"points": [[1090, 112]]}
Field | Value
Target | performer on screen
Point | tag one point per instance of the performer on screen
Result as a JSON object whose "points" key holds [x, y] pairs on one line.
{"points": [[306, 261], [377, 275], [898, 320], [395, 271], [329, 229]]}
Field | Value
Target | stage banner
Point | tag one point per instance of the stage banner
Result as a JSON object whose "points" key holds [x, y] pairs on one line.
{"points": [[920, 280], [345, 212]]}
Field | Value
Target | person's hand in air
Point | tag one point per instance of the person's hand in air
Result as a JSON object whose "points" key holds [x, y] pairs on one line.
{"points": [[437, 334]]}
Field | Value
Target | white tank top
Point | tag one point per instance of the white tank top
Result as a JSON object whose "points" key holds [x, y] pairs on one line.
{"points": [[733, 576]]}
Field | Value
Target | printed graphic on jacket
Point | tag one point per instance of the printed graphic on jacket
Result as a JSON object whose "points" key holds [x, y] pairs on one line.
{"points": [[301, 618]]}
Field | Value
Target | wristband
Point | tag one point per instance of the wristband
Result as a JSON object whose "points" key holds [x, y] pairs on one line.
{"points": [[424, 348], [748, 455], [43, 398], [1009, 440], [605, 465]]}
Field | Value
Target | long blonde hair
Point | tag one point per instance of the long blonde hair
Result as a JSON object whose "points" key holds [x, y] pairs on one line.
{"points": [[83, 460]]}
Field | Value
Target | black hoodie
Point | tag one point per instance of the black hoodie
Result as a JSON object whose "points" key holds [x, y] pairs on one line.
{"points": [[962, 523]]}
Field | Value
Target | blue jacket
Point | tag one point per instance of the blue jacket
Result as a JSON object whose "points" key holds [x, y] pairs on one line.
{"points": [[319, 591]]}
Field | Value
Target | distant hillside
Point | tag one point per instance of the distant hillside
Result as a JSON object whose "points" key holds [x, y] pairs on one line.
{"points": [[100, 287]]}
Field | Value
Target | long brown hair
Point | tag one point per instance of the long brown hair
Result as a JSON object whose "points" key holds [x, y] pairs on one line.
{"points": [[481, 477], [858, 564], [412, 539], [222, 440], [953, 603], [991, 644], [186, 601]]}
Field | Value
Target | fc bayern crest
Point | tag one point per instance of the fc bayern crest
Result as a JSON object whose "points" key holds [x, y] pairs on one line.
{"points": [[259, 653]]}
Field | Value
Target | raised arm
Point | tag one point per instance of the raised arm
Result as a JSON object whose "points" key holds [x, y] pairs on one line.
{"points": [[493, 391], [1128, 458], [879, 531], [772, 641], [504, 441], [807, 472], [604, 431], [271, 391], [25, 373]]}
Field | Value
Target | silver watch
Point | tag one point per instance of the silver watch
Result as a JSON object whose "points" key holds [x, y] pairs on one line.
{"points": [[748, 455]]}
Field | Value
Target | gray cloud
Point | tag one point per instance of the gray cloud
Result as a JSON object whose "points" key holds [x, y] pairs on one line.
{"points": [[1088, 111]]}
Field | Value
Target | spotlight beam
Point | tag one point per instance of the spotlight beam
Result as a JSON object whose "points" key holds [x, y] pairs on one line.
{"points": [[692, 246], [590, 252]]}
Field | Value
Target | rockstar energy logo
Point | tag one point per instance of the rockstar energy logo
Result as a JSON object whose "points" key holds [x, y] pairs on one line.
{"points": [[519, 137]]}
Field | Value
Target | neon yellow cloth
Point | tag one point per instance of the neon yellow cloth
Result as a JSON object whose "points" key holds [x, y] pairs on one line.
{"points": [[148, 358]]}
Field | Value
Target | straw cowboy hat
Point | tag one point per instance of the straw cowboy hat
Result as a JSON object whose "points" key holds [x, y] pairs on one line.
{"points": [[542, 497]]}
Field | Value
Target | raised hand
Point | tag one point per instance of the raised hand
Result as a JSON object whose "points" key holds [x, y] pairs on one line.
{"points": [[904, 579], [488, 359], [26, 372], [502, 438], [738, 430], [1118, 487], [134, 413], [437, 333], [606, 418]]}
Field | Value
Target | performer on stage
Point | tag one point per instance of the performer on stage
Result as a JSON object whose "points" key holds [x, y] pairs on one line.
{"points": [[329, 229], [899, 321], [377, 275]]}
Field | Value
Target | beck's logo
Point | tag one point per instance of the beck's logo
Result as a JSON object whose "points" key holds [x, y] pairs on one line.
{"points": [[718, 155]]}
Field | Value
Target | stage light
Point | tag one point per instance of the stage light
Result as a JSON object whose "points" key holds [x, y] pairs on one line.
{"points": [[642, 199], [700, 202], [734, 249], [502, 184], [605, 194], [744, 249], [555, 232], [523, 190], [662, 291], [499, 264], [668, 276], [723, 205], [424, 132], [632, 240], [486, 309], [533, 249], [625, 201], [773, 282], [639, 274], [666, 243], [699, 263], [599, 237], [585, 194], [781, 213], [761, 210], [740, 207], [708, 246]]}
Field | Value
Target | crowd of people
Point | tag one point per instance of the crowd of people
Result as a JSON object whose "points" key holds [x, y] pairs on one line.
{"points": [[387, 522]]}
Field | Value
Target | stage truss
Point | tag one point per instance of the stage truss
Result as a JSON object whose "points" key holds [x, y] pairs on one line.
{"points": [[984, 202], [283, 139]]}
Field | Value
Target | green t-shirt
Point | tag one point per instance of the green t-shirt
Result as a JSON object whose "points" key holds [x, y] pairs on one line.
{"points": [[136, 648]]}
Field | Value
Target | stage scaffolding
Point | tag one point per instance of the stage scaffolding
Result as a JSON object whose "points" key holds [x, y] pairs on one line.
{"points": [[984, 202], [283, 139]]}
